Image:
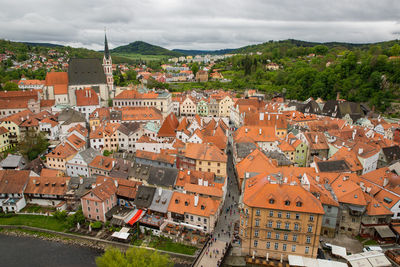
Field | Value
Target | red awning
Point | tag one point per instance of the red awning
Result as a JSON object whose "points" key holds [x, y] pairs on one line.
{"points": [[135, 217]]}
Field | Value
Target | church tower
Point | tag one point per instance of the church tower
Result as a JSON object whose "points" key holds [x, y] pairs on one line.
{"points": [[107, 65]]}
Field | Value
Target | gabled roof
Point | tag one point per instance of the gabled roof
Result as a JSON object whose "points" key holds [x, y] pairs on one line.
{"points": [[375, 207], [155, 156], [205, 152], [56, 78], [144, 196], [259, 192], [13, 181], [85, 71], [103, 191], [183, 203], [62, 151], [55, 186], [255, 162], [162, 176], [86, 97], [348, 191], [102, 162], [168, 128]]}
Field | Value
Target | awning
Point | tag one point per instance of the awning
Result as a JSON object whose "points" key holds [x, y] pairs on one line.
{"points": [[136, 216], [384, 231], [339, 251], [192, 226], [299, 261], [120, 235]]}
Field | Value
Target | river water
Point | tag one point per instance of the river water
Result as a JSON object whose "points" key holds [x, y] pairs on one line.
{"points": [[33, 252]]}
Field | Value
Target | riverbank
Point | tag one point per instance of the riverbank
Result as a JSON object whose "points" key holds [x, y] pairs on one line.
{"points": [[80, 240]]}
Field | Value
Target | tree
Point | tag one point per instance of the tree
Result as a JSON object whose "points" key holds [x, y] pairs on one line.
{"points": [[10, 86], [33, 144], [195, 68], [134, 257]]}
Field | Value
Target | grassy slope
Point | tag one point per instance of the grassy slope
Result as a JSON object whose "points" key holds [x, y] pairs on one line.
{"points": [[45, 222]]}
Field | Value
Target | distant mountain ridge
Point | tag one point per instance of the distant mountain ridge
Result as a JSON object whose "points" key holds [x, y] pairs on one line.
{"points": [[204, 52], [143, 48], [43, 44]]}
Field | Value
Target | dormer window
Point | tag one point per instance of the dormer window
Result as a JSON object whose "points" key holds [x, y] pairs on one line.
{"points": [[203, 207], [186, 203], [271, 201], [299, 204], [287, 202], [176, 201]]}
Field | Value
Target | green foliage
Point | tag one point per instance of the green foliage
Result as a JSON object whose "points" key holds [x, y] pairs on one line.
{"points": [[10, 86], [60, 215], [106, 153], [195, 68], [33, 144], [144, 48], [134, 257], [96, 225], [76, 218]]}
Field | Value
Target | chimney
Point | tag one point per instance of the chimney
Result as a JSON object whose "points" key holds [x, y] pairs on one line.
{"points": [[196, 200], [205, 183], [188, 172], [317, 178], [113, 163], [90, 92], [259, 131], [354, 134], [261, 116], [269, 117], [385, 182], [159, 191], [316, 139], [86, 93], [200, 181], [116, 183], [247, 130], [81, 181], [360, 151]]}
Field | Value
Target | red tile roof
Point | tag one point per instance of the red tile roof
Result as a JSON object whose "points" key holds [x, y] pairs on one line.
{"points": [[86, 97]]}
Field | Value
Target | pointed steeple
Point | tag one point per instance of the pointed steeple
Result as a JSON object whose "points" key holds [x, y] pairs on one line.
{"points": [[106, 51]]}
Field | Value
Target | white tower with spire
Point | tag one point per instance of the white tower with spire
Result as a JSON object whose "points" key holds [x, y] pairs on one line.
{"points": [[107, 65]]}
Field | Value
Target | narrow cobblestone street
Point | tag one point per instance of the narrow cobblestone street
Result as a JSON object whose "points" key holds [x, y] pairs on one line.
{"points": [[224, 230]]}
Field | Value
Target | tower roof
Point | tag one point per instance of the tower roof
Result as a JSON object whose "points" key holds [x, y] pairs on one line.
{"points": [[106, 51]]}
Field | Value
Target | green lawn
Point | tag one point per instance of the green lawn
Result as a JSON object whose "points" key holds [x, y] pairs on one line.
{"points": [[45, 222], [143, 57], [163, 243], [370, 242]]}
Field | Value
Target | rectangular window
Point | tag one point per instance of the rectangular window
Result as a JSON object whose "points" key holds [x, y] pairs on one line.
{"points": [[278, 225], [255, 243], [287, 215], [297, 216], [306, 250], [257, 222], [256, 233], [279, 214], [287, 226], [271, 213], [296, 226], [309, 229], [268, 244], [311, 218], [308, 240], [270, 224], [284, 247], [277, 236], [268, 234], [257, 212], [285, 237], [293, 248], [276, 246], [294, 238]]}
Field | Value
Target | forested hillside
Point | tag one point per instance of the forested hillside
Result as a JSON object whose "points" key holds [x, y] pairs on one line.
{"points": [[362, 73]]}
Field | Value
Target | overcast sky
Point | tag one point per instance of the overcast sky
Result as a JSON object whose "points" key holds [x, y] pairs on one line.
{"points": [[202, 24]]}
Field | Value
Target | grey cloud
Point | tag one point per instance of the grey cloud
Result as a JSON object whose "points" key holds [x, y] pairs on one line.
{"points": [[207, 24]]}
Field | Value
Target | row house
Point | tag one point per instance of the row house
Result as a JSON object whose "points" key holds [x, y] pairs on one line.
{"points": [[87, 101], [188, 107], [79, 164], [101, 165], [101, 115], [203, 157], [146, 143], [194, 211], [263, 136], [70, 118], [4, 140], [99, 200], [47, 191], [279, 219], [160, 100], [25, 84], [155, 159], [105, 137], [144, 115], [128, 134], [12, 124], [59, 156], [12, 187], [50, 127]]}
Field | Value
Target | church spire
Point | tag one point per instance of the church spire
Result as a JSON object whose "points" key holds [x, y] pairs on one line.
{"points": [[106, 51]]}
